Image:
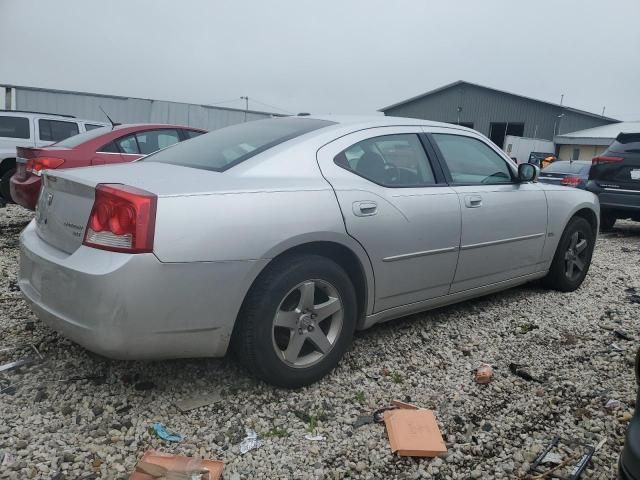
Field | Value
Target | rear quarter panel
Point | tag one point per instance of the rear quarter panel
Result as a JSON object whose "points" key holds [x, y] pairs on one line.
{"points": [[241, 226]]}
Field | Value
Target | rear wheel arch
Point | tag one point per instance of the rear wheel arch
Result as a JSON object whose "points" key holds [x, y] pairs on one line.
{"points": [[342, 255]]}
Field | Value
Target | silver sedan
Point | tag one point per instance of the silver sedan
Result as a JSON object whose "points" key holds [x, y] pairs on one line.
{"points": [[281, 237]]}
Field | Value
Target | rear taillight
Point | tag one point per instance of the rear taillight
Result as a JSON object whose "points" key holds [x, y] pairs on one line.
{"points": [[36, 165], [605, 159], [122, 219], [571, 181]]}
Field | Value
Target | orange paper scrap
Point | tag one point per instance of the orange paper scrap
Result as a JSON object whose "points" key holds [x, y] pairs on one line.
{"points": [[414, 433]]}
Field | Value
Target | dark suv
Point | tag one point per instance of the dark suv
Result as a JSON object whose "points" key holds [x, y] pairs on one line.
{"points": [[630, 458], [615, 178]]}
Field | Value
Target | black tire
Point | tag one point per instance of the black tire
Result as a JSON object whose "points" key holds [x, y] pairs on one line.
{"points": [[4, 184], [558, 277], [254, 338], [607, 221]]}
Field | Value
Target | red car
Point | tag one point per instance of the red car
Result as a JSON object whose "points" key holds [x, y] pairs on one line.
{"points": [[122, 143]]}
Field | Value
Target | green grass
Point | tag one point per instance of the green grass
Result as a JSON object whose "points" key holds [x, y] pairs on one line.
{"points": [[360, 398], [276, 432], [397, 378]]}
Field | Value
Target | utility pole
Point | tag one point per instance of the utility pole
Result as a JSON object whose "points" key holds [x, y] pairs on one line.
{"points": [[246, 106], [561, 98], [602, 114]]}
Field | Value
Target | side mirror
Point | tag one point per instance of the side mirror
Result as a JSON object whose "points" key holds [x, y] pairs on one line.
{"points": [[527, 172]]}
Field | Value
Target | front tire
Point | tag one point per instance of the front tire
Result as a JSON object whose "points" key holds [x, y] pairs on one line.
{"points": [[572, 258], [297, 321]]}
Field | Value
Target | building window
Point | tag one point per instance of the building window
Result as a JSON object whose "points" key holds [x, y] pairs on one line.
{"points": [[576, 154]]}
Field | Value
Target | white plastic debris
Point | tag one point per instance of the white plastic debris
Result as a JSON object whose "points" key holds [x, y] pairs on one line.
{"points": [[8, 459], [617, 348], [250, 442], [612, 404], [315, 438]]}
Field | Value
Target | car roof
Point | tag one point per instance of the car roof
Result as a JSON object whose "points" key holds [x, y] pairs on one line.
{"points": [[369, 121], [46, 116], [146, 126]]}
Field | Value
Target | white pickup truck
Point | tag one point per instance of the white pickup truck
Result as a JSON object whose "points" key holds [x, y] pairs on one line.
{"points": [[32, 129]]}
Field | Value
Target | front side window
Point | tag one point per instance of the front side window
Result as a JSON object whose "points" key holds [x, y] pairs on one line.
{"points": [[471, 161], [56, 130], [154, 140], [14, 127], [128, 144], [389, 160]]}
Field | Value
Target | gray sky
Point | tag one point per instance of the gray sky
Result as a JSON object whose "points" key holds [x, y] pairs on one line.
{"points": [[326, 56]]}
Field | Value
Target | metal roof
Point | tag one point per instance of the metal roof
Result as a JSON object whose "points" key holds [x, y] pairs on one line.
{"points": [[462, 82], [602, 135], [72, 92]]}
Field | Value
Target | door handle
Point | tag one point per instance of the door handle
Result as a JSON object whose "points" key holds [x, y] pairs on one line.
{"points": [[365, 208], [473, 201]]}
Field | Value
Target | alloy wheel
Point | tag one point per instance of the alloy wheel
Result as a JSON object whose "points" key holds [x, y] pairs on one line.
{"points": [[308, 323], [575, 258]]}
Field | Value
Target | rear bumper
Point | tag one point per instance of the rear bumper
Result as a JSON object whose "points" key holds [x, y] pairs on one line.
{"points": [[615, 200], [25, 192], [133, 306]]}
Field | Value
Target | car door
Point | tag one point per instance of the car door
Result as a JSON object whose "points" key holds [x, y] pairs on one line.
{"points": [[504, 222], [395, 203]]}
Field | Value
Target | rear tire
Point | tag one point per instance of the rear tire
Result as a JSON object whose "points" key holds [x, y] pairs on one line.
{"points": [[5, 190], [297, 321], [572, 258], [607, 221]]}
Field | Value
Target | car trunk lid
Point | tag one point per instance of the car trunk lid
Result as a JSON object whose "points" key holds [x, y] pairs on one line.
{"points": [[67, 196]]}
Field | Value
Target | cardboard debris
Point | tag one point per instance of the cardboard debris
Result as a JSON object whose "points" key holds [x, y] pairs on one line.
{"points": [[157, 465], [414, 432], [198, 402]]}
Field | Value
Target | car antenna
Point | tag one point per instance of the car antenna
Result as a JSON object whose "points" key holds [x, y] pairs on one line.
{"points": [[113, 124]]}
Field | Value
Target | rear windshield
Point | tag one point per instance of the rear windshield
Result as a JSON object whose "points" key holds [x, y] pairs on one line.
{"points": [[79, 139], [626, 142], [226, 147], [568, 167]]}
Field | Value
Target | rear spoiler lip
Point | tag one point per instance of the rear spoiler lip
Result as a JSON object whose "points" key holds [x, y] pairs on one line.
{"points": [[32, 152]]}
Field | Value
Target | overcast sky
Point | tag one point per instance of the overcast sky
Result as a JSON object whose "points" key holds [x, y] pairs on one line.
{"points": [[326, 56]]}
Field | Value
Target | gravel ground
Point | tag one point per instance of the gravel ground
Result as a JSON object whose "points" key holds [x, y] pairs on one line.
{"points": [[52, 422]]}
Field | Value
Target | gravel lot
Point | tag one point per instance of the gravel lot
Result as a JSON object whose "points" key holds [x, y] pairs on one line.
{"points": [[52, 422]]}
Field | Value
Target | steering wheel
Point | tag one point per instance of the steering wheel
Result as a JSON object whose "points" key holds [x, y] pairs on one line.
{"points": [[391, 172]]}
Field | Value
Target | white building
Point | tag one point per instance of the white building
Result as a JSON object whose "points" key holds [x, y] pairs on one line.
{"points": [[589, 143]]}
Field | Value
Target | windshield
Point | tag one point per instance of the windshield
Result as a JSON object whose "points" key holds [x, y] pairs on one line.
{"points": [[568, 167], [79, 139], [226, 147]]}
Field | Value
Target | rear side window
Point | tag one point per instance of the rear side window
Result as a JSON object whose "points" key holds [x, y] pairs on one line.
{"points": [[128, 144], [110, 147], [222, 149], [91, 126], [471, 161], [389, 160], [154, 140], [14, 127], [56, 130], [626, 142]]}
